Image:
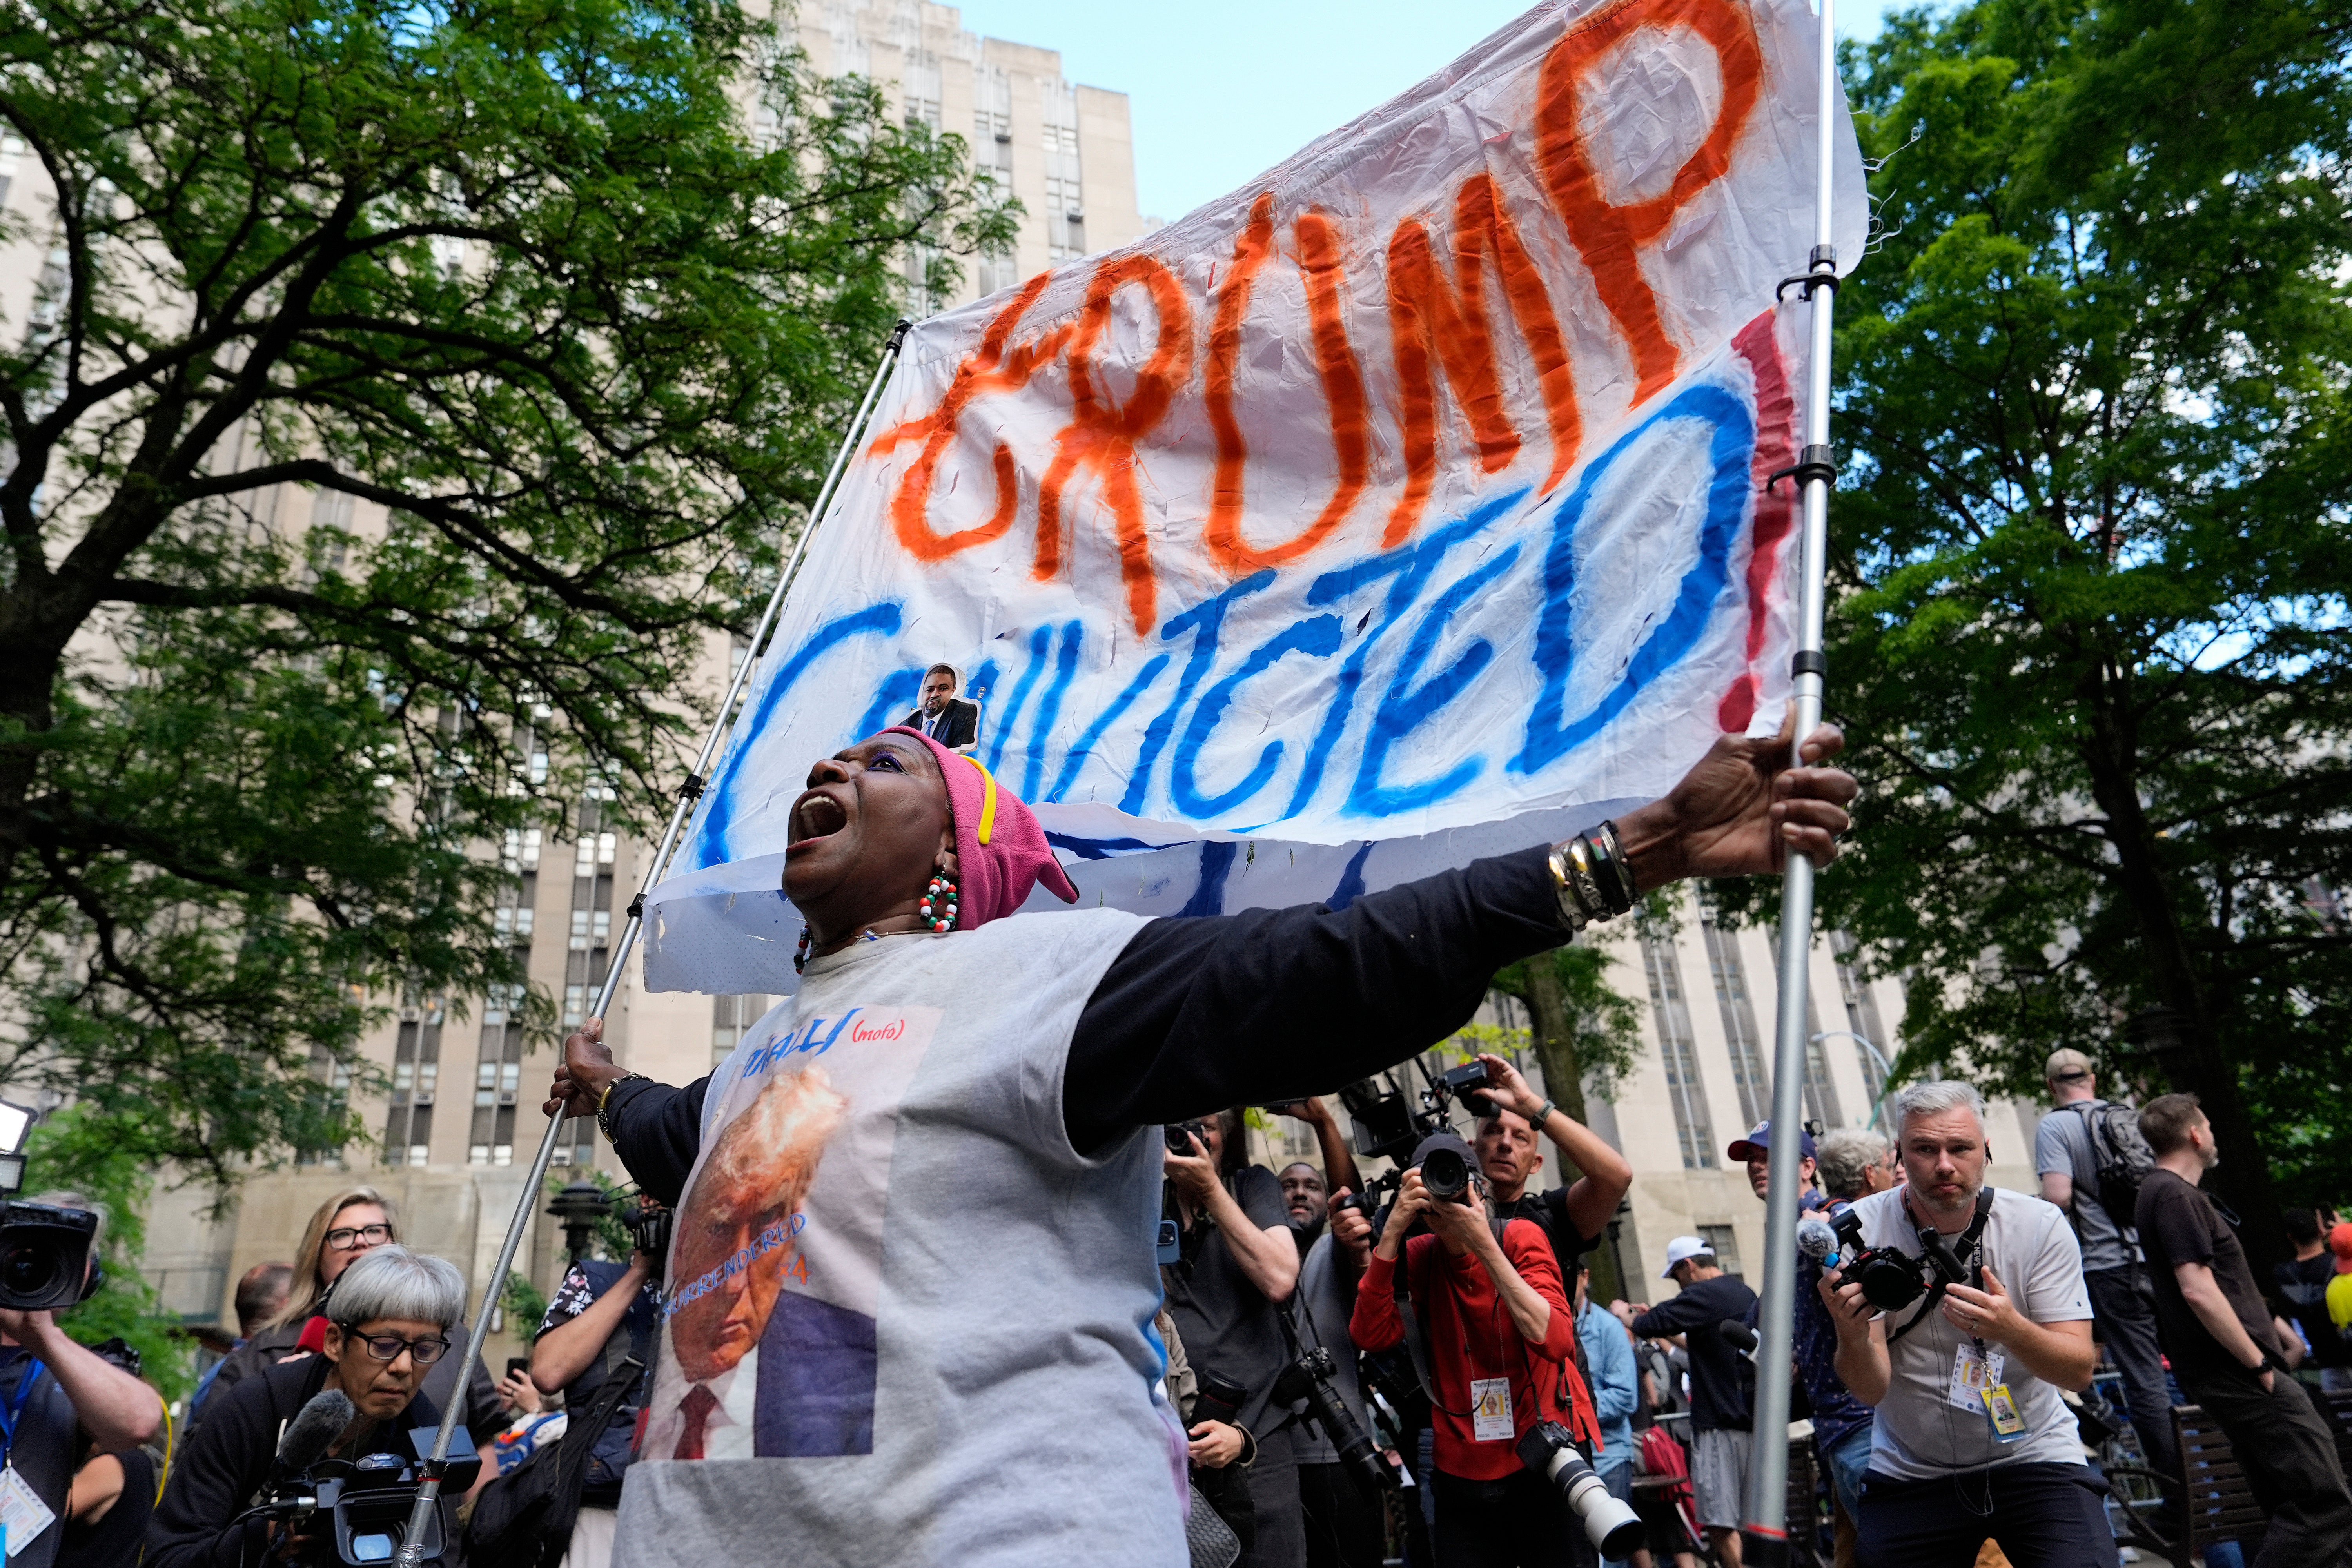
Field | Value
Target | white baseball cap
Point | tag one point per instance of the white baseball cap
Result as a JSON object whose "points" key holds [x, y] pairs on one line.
{"points": [[1683, 1247]]}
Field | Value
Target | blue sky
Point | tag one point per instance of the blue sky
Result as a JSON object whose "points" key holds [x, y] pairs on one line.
{"points": [[1223, 90]]}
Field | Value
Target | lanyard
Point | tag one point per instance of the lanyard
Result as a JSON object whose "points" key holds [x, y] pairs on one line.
{"points": [[14, 1409]]}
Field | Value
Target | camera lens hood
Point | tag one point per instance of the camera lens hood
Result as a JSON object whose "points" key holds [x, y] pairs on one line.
{"points": [[1446, 1165]]}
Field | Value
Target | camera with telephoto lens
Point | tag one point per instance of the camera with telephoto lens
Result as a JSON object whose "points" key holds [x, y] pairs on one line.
{"points": [[1610, 1523], [45, 1256], [1891, 1278], [648, 1225], [1309, 1378], [353, 1512]]}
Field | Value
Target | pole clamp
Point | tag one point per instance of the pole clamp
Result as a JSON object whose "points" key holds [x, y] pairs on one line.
{"points": [[692, 788], [898, 335], [1809, 661], [1821, 272], [1815, 462], [637, 907]]}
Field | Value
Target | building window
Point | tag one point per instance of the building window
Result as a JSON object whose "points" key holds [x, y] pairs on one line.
{"points": [[1738, 1021], [1694, 1130], [729, 1017], [992, 150], [416, 1078], [1064, 215], [1725, 1245]]}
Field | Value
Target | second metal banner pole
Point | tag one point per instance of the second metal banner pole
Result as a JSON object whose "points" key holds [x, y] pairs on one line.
{"points": [[1764, 1534]]}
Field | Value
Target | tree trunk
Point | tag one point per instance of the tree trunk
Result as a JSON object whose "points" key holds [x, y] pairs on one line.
{"points": [[1555, 1046], [2242, 1178]]}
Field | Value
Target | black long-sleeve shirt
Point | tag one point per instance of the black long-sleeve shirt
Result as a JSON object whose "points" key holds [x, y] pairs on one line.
{"points": [[230, 1457], [1722, 1381], [1249, 1008]]}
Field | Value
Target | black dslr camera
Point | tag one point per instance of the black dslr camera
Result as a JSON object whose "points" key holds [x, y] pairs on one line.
{"points": [[1175, 1132], [1308, 1378], [1891, 1278], [45, 1256], [648, 1225], [356, 1512]]}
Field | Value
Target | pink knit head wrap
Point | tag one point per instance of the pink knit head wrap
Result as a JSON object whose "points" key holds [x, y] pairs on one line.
{"points": [[1001, 849]]}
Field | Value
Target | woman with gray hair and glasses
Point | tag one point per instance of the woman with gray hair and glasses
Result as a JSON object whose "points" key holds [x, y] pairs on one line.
{"points": [[395, 1314]]}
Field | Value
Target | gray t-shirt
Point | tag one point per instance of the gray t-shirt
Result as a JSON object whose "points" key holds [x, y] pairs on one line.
{"points": [[1329, 1296], [1917, 1433], [891, 1270], [2061, 1146]]}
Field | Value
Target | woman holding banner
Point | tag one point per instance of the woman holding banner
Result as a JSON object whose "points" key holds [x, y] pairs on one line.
{"points": [[908, 1316]]}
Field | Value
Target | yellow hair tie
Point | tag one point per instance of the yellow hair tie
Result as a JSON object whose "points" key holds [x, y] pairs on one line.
{"points": [[987, 799]]}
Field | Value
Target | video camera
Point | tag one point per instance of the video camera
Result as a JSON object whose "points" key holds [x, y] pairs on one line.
{"points": [[45, 1256], [648, 1225], [44, 1249], [1388, 1128], [356, 1512]]}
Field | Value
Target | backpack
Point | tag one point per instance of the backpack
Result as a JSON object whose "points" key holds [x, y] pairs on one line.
{"points": [[525, 1517], [2121, 1156]]}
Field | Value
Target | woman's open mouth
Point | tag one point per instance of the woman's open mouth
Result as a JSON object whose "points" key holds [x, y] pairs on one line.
{"points": [[817, 817]]}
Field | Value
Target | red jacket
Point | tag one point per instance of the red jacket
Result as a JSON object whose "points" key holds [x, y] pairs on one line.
{"points": [[1471, 1335]]}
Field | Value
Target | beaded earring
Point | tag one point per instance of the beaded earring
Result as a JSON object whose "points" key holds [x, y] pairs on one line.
{"points": [[799, 953], [939, 906]]}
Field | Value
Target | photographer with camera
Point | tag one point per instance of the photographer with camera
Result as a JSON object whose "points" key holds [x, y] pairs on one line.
{"points": [[1239, 1263], [395, 1314], [1960, 1314], [1343, 1509], [603, 1317], [57, 1397], [1499, 1342]]}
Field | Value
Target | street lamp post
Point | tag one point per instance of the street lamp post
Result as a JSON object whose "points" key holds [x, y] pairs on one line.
{"points": [[1886, 1067], [578, 1207]]}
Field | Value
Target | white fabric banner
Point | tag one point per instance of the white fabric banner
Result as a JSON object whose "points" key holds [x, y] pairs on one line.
{"points": [[1409, 503]]}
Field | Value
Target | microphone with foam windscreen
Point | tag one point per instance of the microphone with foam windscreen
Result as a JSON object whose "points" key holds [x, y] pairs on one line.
{"points": [[313, 1430], [1817, 1241], [1738, 1335]]}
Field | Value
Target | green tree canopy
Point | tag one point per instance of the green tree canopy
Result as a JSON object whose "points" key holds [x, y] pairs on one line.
{"points": [[2090, 635], [581, 292]]}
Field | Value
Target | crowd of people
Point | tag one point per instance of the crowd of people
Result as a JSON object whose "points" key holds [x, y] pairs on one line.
{"points": [[908, 1312]]}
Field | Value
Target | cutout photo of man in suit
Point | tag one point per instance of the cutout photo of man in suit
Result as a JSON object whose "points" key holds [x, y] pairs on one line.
{"points": [[944, 717]]}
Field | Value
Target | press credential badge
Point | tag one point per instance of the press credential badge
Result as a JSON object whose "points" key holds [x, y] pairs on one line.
{"points": [[1490, 1408], [23, 1516], [1974, 1369]]}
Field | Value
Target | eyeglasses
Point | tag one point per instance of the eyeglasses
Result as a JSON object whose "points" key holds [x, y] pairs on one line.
{"points": [[387, 1347], [348, 1237]]}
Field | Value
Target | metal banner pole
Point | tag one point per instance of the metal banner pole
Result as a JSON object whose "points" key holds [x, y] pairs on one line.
{"points": [[1764, 1534], [411, 1552]]}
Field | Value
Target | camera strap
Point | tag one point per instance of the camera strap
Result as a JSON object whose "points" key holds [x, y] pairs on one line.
{"points": [[1959, 1255]]}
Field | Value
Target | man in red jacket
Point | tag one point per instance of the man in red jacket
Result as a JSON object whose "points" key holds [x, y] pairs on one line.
{"points": [[1501, 1345]]}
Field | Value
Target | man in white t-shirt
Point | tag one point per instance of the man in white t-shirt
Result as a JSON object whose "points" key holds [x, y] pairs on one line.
{"points": [[1970, 1440]]}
